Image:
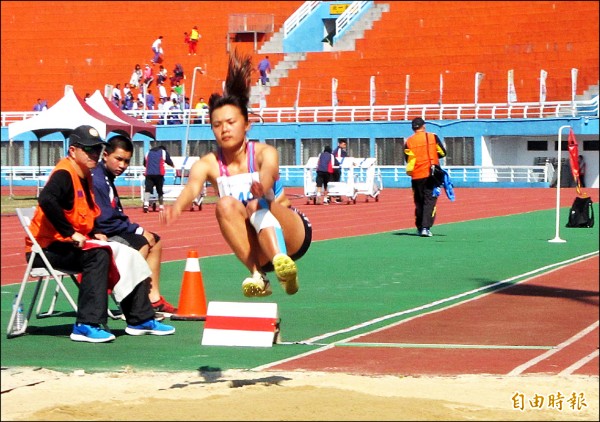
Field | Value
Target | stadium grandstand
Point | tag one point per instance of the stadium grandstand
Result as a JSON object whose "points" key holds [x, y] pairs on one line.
{"points": [[497, 80]]}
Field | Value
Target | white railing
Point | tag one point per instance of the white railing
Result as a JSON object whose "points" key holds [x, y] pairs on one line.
{"points": [[298, 16], [550, 109], [392, 176], [346, 18], [250, 22]]}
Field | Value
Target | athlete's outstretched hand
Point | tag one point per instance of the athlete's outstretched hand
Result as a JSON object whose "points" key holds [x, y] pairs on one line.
{"points": [[169, 215]]}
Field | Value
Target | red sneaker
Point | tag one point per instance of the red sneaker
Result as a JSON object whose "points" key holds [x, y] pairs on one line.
{"points": [[163, 306]]}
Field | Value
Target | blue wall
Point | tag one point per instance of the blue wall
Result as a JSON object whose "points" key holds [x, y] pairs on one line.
{"points": [[309, 34], [476, 129]]}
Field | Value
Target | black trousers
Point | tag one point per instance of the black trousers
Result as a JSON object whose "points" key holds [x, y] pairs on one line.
{"points": [[425, 202], [92, 301], [155, 180]]}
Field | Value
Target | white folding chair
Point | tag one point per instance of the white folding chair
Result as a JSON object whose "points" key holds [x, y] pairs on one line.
{"points": [[43, 276]]}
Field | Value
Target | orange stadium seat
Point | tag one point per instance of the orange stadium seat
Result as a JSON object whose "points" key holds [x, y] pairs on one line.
{"points": [[455, 39]]}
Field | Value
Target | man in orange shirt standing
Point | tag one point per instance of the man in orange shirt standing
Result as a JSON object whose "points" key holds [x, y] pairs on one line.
{"points": [[423, 151]]}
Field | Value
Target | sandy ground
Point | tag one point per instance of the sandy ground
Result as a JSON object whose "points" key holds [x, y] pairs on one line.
{"points": [[41, 394]]}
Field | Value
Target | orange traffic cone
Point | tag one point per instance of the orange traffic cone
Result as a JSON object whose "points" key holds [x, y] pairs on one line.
{"points": [[192, 301]]}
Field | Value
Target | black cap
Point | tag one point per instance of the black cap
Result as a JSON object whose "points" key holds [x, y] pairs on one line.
{"points": [[417, 123], [86, 136]]}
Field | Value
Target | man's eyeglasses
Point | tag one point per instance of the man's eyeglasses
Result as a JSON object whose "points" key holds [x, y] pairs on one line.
{"points": [[90, 149]]}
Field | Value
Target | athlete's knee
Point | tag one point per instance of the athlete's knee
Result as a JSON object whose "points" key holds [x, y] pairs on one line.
{"points": [[227, 205]]}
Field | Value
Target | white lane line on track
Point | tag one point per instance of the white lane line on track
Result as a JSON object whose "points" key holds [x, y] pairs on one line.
{"points": [[521, 368], [314, 341], [529, 275], [580, 363]]}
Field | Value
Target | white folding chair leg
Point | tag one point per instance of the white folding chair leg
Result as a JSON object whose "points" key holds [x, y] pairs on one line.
{"points": [[57, 290], [119, 314], [19, 299]]}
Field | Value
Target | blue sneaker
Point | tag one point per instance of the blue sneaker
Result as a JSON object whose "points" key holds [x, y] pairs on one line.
{"points": [[151, 326], [91, 334]]}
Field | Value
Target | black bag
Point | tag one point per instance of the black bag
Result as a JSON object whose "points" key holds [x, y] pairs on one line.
{"points": [[581, 213], [437, 175]]}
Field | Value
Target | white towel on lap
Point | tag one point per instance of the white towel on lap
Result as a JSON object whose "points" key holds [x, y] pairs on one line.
{"points": [[131, 265]]}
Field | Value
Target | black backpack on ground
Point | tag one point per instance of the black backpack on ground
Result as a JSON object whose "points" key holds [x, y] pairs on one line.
{"points": [[581, 213]]}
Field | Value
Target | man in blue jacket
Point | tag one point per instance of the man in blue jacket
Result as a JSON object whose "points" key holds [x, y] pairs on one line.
{"points": [[113, 222], [155, 161]]}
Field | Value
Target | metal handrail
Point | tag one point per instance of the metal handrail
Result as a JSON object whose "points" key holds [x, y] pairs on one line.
{"points": [[298, 16], [492, 111]]}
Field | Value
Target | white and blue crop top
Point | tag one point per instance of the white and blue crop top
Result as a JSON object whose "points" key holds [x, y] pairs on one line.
{"points": [[238, 185]]}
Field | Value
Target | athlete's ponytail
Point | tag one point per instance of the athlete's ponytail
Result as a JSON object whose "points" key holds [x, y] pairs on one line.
{"points": [[237, 85]]}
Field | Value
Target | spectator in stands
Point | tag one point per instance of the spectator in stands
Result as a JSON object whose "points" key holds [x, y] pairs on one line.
{"points": [[423, 151], [175, 117], [173, 95], [255, 215], [150, 100], [155, 161], [138, 106], [162, 75], [116, 225], [63, 224], [126, 90], [324, 173], [264, 68], [116, 95], [339, 153], [162, 91], [157, 50], [201, 110], [128, 101], [161, 115], [178, 89], [148, 76], [38, 105], [136, 77], [186, 39], [194, 36], [178, 74]]}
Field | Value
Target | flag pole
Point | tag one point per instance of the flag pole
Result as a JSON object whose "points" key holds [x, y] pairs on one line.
{"points": [[557, 238]]}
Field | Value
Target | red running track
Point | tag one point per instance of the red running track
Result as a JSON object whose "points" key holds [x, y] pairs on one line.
{"points": [[499, 333], [502, 327], [394, 211]]}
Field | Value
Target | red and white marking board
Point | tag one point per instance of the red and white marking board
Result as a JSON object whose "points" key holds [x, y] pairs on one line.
{"points": [[241, 324]]}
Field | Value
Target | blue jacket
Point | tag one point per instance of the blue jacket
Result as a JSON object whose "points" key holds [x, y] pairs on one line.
{"points": [[155, 161], [325, 163], [112, 220]]}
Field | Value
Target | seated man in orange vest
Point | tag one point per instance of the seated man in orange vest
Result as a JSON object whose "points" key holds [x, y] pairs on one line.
{"points": [[62, 224]]}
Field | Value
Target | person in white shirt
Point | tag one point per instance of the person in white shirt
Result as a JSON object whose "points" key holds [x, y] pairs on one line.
{"points": [[157, 50]]}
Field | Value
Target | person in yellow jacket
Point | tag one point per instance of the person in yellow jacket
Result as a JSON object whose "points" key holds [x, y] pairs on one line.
{"points": [[423, 151], [193, 41]]}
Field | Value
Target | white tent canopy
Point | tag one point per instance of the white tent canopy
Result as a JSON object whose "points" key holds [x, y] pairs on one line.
{"points": [[99, 103], [64, 116]]}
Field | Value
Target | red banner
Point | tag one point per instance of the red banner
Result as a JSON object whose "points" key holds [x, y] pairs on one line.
{"points": [[574, 156]]}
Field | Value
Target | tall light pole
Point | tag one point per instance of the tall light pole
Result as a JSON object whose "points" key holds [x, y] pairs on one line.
{"points": [[187, 130]]}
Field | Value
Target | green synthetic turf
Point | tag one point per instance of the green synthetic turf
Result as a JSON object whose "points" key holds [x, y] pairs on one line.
{"points": [[343, 282]]}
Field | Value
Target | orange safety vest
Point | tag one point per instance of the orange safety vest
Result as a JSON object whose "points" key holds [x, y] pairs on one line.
{"points": [[423, 152], [81, 216]]}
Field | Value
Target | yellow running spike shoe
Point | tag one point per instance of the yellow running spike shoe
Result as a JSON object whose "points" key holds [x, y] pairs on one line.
{"points": [[286, 272], [256, 286]]}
